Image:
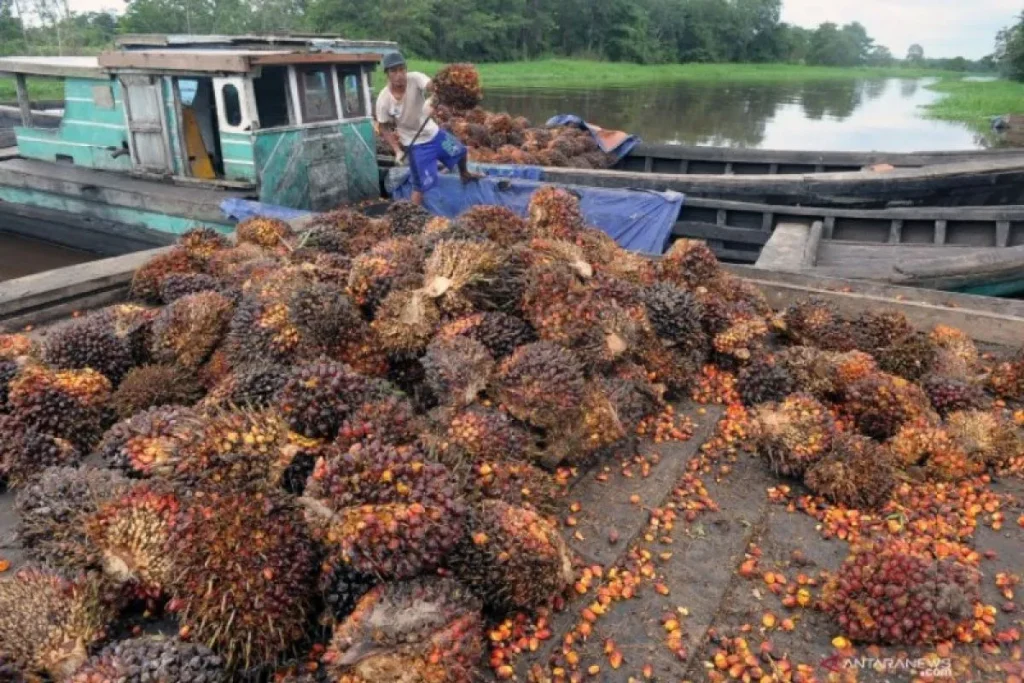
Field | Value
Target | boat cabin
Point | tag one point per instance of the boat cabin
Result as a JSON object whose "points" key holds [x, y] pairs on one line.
{"points": [[287, 116]]}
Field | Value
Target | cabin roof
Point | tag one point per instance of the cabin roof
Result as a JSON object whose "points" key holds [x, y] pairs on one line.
{"points": [[60, 67], [252, 40], [225, 60]]}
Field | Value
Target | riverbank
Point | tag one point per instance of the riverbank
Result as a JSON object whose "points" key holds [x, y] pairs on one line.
{"points": [[976, 102]]}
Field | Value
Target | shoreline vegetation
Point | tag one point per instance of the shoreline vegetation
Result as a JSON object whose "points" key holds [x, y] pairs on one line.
{"points": [[973, 102]]}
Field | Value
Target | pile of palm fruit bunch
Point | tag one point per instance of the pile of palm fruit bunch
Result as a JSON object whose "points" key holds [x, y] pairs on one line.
{"points": [[500, 138], [340, 454]]}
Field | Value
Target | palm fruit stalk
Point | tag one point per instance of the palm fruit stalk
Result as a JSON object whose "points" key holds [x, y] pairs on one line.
{"points": [[52, 508], [406, 321], [50, 621], [890, 593], [457, 275], [152, 659], [426, 629], [245, 573], [512, 557], [856, 472]]}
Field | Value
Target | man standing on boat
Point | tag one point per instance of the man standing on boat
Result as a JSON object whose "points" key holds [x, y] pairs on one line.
{"points": [[403, 106]]}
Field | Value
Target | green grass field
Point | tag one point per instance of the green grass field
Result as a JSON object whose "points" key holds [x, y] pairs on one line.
{"points": [[38, 89], [975, 102]]}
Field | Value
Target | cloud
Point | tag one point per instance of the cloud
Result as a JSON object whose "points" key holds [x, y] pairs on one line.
{"points": [[945, 28]]}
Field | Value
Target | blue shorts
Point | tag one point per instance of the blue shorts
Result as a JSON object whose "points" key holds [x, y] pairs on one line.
{"points": [[423, 158]]}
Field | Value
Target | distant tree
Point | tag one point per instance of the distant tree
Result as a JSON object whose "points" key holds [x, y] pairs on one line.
{"points": [[832, 46], [880, 56], [1009, 52], [915, 54]]}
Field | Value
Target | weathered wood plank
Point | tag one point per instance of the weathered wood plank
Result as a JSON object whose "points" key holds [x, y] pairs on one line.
{"points": [[708, 231], [786, 250], [24, 103], [964, 269]]}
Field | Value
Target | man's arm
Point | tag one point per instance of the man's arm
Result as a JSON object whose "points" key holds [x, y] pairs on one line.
{"points": [[386, 126]]}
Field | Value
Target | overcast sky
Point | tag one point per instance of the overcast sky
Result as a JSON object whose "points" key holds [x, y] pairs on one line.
{"points": [[946, 28]]}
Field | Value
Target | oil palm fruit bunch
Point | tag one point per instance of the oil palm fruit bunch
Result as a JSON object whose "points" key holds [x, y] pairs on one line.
{"points": [[146, 281], [152, 659], [793, 435], [232, 265], [391, 264], [545, 254], [17, 346], [512, 558], [8, 371], [888, 592], [264, 232], [668, 366], [500, 333], [810, 368], [341, 591], [956, 355], [742, 339], [251, 386], [390, 512], [406, 321], [764, 380], [949, 395], [390, 419], [598, 426], [50, 621], [150, 386], [245, 572], [487, 433], [318, 396], [676, 315], [879, 329], [52, 508], [426, 629], [541, 384], [88, 342], [689, 264], [457, 370], [187, 331], [815, 323], [457, 86], [177, 285], [554, 213], [131, 532], [919, 444], [880, 404], [910, 357], [264, 331], [202, 243], [150, 443], [134, 325], [500, 224], [510, 479], [985, 437], [26, 451], [849, 367], [67, 404], [327, 317], [1006, 379], [856, 472], [237, 447], [407, 219]]}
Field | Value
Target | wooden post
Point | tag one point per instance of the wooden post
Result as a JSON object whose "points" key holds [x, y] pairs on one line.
{"points": [[23, 102]]}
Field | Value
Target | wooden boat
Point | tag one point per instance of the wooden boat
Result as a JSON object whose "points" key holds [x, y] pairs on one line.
{"points": [[985, 270]]}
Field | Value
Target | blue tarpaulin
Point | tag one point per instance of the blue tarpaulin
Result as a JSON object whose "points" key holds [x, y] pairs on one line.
{"points": [[610, 141], [240, 209], [639, 220]]}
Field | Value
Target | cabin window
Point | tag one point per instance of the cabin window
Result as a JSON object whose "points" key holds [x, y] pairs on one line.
{"points": [[271, 90], [232, 105], [316, 91], [353, 102]]}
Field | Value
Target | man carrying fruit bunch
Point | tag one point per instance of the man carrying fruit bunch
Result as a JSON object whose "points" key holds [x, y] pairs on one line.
{"points": [[404, 107]]}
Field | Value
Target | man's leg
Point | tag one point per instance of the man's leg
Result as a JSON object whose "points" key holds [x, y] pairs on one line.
{"points": [[464, 171]]}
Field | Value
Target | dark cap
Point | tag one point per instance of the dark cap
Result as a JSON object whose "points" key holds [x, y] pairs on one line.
{"points": [[393, 59]]}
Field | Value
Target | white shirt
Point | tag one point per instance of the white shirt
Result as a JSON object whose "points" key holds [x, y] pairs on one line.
{"points": [[407, 114]]}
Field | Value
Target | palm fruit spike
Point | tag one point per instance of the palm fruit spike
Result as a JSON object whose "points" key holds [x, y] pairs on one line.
{"points": [[764, 380], [890, 593], [794, 434], [187, 331], [675, 315], [880, 404], [427, 629], [487, 433], [458, 267], [150, 443], [151, 386], [950, 395], [554, 213], [1007, 378], [499, 224], [88, 342], [541, 384], [457, 370], [956, 355], [985, 437], [388, 265], [246, 567], [407, 219], [25, 451], [131, 535], [406, 321], [51, 509], [51, 621], [251, 386], [513, 558], [152, 659], [500, 333], [856, 472], [15, 346], [68, 405], [391, 513], [263, 232], [688, 264], [391, 419], [911, 357], [318, 396], [177, 285], [147, 279], [457, 86], [919, 444]]}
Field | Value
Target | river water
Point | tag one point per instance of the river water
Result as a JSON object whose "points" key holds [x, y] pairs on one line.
{"points": [[855, 115], [20, 256]]}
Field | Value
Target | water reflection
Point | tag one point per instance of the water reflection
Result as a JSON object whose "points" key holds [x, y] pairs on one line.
{"points": [[879, 114]]}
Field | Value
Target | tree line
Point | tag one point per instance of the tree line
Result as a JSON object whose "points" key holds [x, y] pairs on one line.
{"points": [[641, 31]]}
